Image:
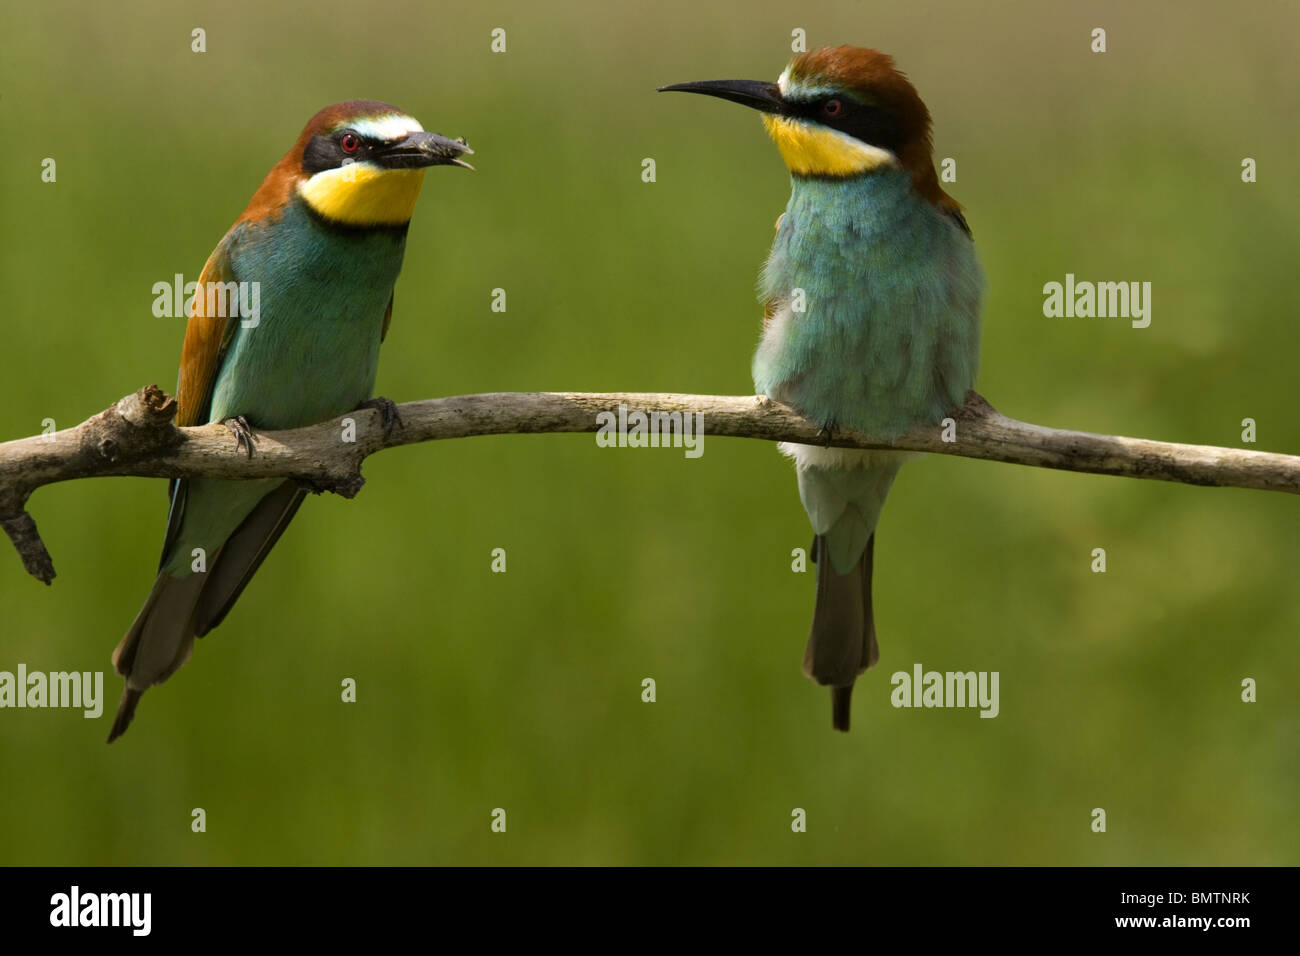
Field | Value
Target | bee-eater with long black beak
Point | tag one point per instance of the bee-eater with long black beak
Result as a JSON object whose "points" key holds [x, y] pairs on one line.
{"points": [[872, 318], [323, 239]]}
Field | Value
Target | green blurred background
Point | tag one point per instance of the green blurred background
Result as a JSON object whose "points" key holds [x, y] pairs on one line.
{"points": [[522, 690]]}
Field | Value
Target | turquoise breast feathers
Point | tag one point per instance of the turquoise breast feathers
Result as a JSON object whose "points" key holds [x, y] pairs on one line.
{"points": [[891, 290]]}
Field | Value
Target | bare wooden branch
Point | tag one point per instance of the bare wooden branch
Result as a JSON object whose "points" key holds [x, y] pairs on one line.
{"points": [[136, 436]]}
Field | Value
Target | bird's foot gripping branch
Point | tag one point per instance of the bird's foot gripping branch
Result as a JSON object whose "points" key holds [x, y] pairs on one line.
{"points": [[137, 436]]}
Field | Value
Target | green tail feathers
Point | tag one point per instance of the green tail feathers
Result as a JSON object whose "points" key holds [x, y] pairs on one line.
{"points": [[843, 504], [842, 643], [181, 608], [158, 642]]}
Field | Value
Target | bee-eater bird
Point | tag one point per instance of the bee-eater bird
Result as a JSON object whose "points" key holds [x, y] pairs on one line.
{"points": [[323, 239], [872, 312]]}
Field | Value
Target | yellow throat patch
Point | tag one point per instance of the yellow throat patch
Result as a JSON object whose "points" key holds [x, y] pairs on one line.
{"points": [[359, 194], [810, 150]]}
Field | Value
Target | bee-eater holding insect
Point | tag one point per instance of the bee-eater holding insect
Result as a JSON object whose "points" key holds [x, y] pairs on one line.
{"points": [[323, 239], [872, 318]]}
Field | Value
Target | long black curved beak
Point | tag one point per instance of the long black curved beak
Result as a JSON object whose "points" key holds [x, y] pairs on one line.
{"points": [[765, 97], [423, 149]]}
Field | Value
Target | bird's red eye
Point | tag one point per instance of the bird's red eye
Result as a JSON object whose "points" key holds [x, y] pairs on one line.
{"points": [[832, 107], [349, 142]]}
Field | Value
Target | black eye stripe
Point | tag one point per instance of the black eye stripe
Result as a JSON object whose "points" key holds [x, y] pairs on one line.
{"points": [[327, 152], [870, 124]]}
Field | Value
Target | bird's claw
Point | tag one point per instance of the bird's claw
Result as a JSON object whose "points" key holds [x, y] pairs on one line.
{"points": [[243, 433], [388, 414], [826, 433]]}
